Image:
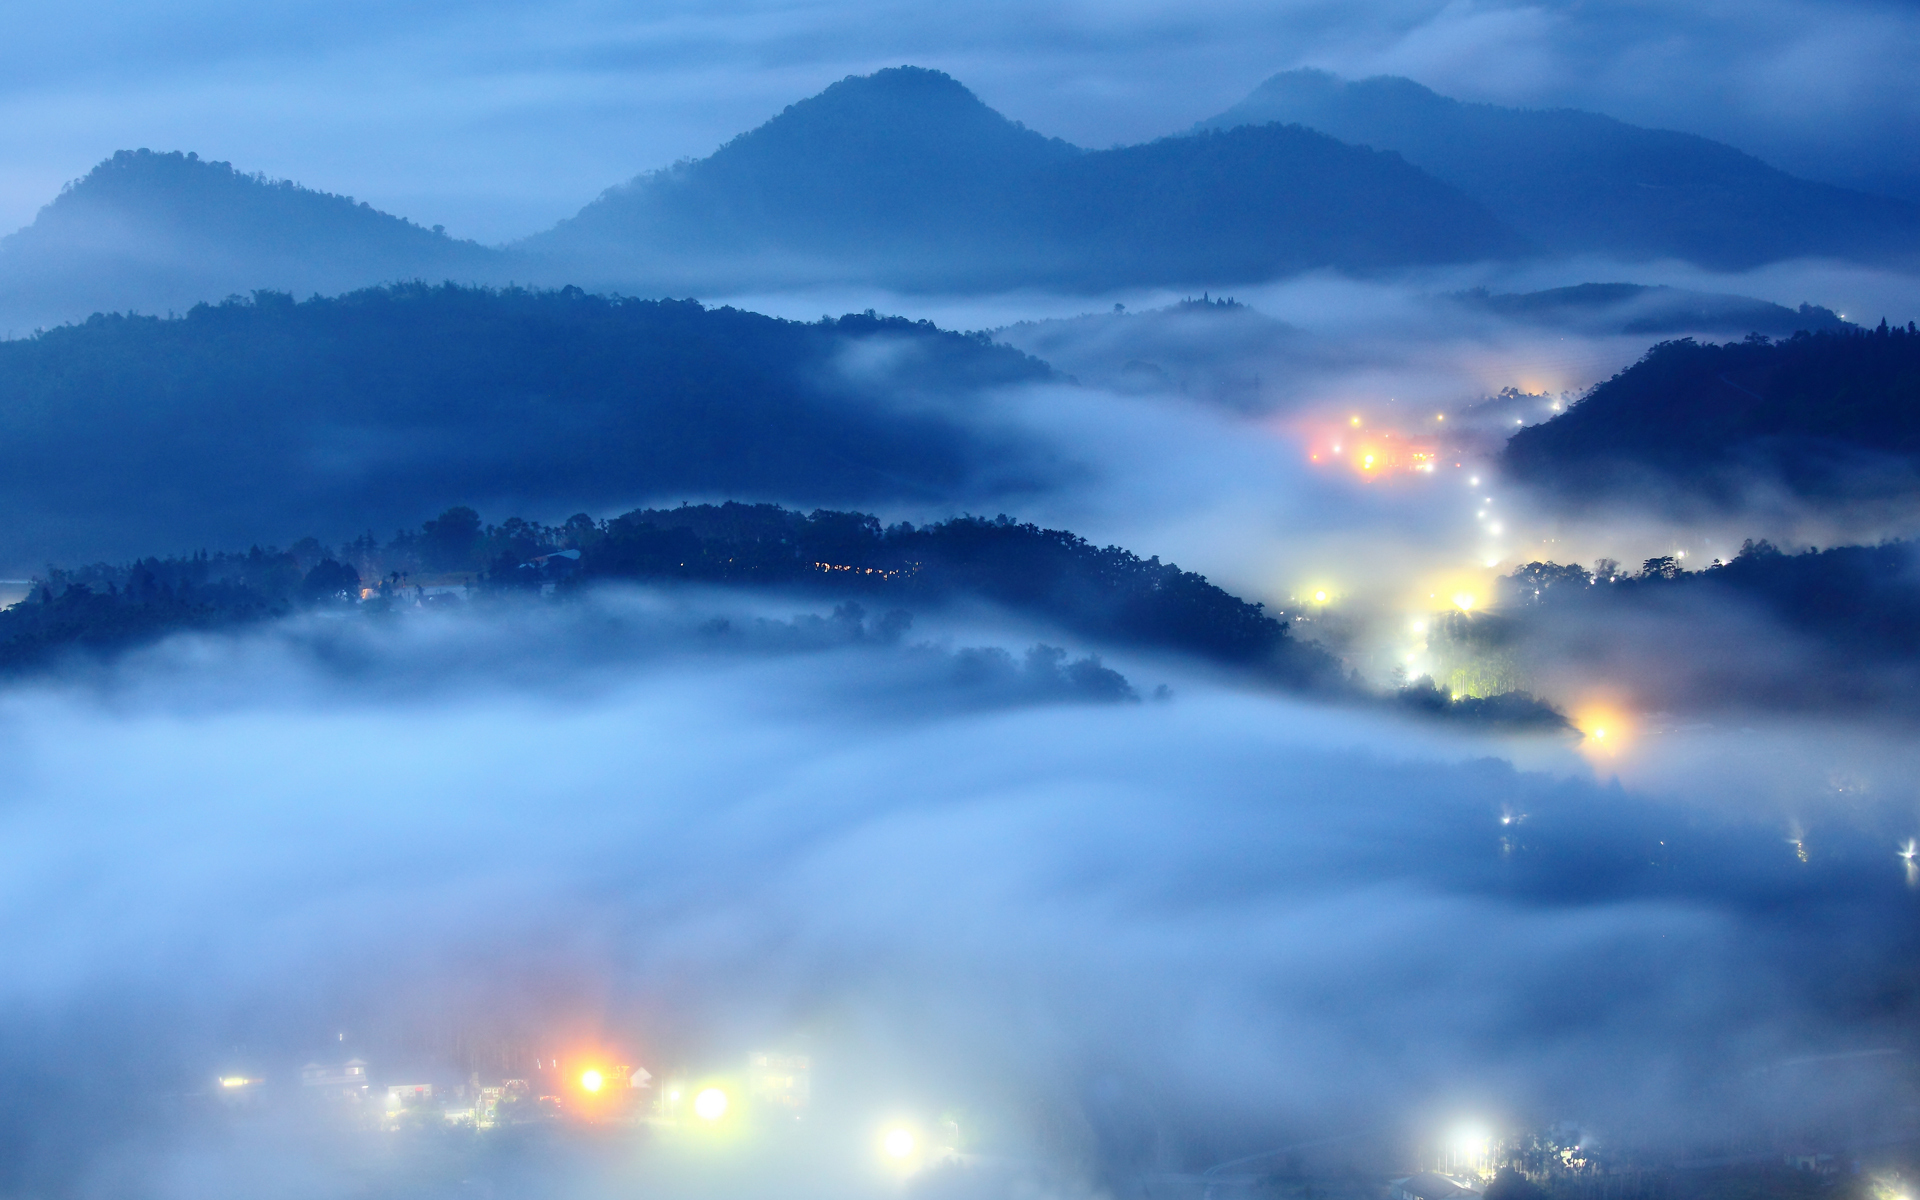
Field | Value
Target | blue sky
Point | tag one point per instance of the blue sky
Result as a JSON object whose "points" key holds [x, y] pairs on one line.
{"points": [[497, 117]]}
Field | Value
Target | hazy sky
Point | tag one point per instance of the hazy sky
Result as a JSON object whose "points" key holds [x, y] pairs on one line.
{"points": [[496, 117]]}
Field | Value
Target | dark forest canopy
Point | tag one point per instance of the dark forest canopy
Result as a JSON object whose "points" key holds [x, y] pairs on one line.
{"points": [[1829, 414], [905, 176], [1578, 182], [243, 419], [1104, 593], [155, 232]]}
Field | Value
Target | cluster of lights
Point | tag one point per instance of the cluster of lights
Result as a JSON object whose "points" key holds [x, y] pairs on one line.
{"points": [[1375, 453]]}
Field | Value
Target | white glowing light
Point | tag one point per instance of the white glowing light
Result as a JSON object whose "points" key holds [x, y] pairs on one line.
{"points": [[591, 1080], [1494, 528], [1474, 482], [1463, 601], [234, 1081], [1320, 597], [1470, 1141], [898, 1143], [710, 1105]]}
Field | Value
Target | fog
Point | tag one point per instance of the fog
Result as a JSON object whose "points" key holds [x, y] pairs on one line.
{"points": [[1120, 939], [1115, 917]]}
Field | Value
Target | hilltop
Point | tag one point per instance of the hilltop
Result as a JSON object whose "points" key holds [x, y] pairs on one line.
{"points": [[906, 177], [154, 232], [1578, 182]]}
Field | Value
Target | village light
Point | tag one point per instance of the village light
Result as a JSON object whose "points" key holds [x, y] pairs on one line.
{"points": [[710, 1105]]}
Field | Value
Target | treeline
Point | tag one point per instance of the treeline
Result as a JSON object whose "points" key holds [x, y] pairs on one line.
{"points": [[1863, 598], [1104, 593], [1814, 408]]}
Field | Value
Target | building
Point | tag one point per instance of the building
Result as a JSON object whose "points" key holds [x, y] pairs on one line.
{"points": [[781, 1082], [348, 1081], [1430, 1185]]}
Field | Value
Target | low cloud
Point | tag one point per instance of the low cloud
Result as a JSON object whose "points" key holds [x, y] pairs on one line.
{"points": [[1126, 938]]}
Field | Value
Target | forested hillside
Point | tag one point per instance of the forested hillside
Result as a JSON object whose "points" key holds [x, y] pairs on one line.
{"points": [[1104, 593], [239, 420], [1828, 414]]}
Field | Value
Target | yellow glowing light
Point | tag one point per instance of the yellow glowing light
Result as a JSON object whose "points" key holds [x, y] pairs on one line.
{"points": [[233, 1081], [1320, 597], [1463, 601], [591, 1080], [1605, 730], [898, 1143], [1356, 421], [710, 1105], [1366, 462]]}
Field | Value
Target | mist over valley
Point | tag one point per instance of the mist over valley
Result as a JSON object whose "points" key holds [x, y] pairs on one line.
{"points": [[1361, 647]]}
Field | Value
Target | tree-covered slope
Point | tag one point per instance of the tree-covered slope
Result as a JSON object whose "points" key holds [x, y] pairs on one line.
{"points": [[1104, 593], [906, 177], [1829, 412], [240, 420], [153, 232], [1579, 182]]}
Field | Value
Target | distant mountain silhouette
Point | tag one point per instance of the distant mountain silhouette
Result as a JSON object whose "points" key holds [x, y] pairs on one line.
{"points": [[151, 232], [1576, 182], [1638, 308], [904, 176]]}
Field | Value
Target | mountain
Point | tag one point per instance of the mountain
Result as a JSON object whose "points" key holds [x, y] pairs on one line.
{"points": [[1578, 182], [1830, 415], [906, 178], [239, 421], [152, 232], [1634, 308]]}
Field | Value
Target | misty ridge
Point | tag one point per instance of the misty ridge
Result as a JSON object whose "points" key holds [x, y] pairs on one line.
{"points": [[903, 178], [237, 421], [1576, 182]]}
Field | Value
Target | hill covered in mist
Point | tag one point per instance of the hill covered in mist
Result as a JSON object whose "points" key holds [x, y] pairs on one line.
{"points": [[1577, 182], [1631, 308], [238, 421], [1829, 414], [905, 177], [158, 232]]}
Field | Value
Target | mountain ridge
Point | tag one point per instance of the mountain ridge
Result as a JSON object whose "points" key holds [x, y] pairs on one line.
{"points": [[1581, 182], [160, 231], [906, 177]]}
